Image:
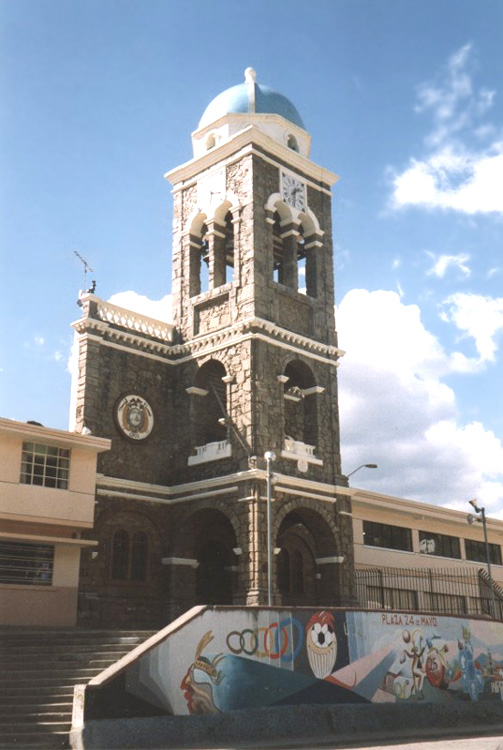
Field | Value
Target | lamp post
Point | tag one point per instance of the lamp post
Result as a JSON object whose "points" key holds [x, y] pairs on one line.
{"points": [[269, 456], [473, 519], [362, 466]]}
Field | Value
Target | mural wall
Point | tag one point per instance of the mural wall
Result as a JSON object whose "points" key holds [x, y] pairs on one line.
{"points": [[229, 659]]}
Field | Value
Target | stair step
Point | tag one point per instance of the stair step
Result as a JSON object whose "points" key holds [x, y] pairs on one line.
{"points": [[56, 665], [39, 671]]}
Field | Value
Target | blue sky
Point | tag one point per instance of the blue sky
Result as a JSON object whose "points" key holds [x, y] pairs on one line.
{"points": [[403, 99]]}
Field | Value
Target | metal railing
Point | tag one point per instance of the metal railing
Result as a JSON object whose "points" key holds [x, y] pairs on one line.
{"points": [[461, 591]]}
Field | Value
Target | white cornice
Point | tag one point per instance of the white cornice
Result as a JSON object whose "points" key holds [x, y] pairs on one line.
{"points": [[247, 137], [134, 490], [418, 510], [208, 343], [60, 541], [51, 436]]}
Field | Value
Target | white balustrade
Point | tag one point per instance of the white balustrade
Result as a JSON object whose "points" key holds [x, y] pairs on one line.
{"points": [[133, 321], [210, 452]]}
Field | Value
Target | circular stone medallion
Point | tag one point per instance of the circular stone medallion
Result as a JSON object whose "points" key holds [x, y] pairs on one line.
{"points": [[135, 417]]}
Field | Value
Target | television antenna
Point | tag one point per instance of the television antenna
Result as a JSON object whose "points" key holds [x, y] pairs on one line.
{"points": [[87, 267]]}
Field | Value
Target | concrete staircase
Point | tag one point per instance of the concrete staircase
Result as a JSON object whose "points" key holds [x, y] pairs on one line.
{"points": [[39, 668]]}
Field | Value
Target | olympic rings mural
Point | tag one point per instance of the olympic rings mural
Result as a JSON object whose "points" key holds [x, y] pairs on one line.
{"points": [[276, 641]]}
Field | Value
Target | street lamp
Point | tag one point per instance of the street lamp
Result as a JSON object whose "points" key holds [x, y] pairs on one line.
{"points": [[474, 519], [362, 466], [269, 456]]}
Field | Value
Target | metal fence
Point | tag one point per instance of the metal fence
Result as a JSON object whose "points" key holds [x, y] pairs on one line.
{"points": [[460, 591]]}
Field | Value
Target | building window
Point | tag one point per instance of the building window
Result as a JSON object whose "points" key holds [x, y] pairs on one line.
{"points": [[388, 598], [476, 551], [390, 537], [439, 544], [22, 563], [129, 558], [45, 465], [451, 603], [139, 556]]}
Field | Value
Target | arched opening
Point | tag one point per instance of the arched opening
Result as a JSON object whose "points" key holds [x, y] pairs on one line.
{"points": [[210, 411], [301, 420], [292, 143], [306, 540], [229, 248], [307, 258], [199, 262], [278, 249], [208, 538], [301, 262], [296, 566]]}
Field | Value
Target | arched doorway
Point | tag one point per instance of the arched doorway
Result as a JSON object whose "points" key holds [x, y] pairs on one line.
{"points": [[304, 538], [208, 538]]}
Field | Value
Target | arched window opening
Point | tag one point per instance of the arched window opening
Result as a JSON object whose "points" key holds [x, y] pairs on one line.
{"points": [[292, 143], [301, 262], [214, 579], [306, 264], [139, 556], [229, 248], [199, 262], [300, 408], [277, 246], [212, 409], [120, 556], [210, 141]]}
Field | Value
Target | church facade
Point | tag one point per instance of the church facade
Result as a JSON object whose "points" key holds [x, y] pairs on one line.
{"points": [[247, 367]]}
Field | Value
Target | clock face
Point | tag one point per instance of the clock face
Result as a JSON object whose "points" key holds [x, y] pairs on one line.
{"points": [[293, 191], [135, 417]]}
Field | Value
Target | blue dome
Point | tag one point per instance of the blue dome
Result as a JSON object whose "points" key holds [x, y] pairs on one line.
{"points": [[239, 99]]}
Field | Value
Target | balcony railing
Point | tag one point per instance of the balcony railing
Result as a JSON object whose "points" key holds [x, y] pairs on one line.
{"points": [[210, 452]]}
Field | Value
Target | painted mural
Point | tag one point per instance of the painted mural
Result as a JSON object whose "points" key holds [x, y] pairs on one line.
{"points": [[224, 660]]}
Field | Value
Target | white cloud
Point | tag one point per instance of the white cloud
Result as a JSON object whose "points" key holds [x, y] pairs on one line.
{"points": [[478, 317], [442, 263], [452, 175], [397, 412], [39, 340], [158, 309]]}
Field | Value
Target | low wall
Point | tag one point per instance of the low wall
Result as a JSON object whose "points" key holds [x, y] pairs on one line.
{"points": [[221, 659], [38, 606]]}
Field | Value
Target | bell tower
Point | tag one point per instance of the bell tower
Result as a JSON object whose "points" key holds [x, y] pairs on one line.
{"points": [[253, 267]]}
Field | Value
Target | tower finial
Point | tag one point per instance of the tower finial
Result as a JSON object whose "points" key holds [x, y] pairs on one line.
{"points": [[250, 75]]}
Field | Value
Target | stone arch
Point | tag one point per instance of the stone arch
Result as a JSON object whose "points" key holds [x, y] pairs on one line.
{"points": [[306, 534], [208, 537], [208, 412], [300, 407], [308, 244], [199, 253], [195, 221], [224, 241]]}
